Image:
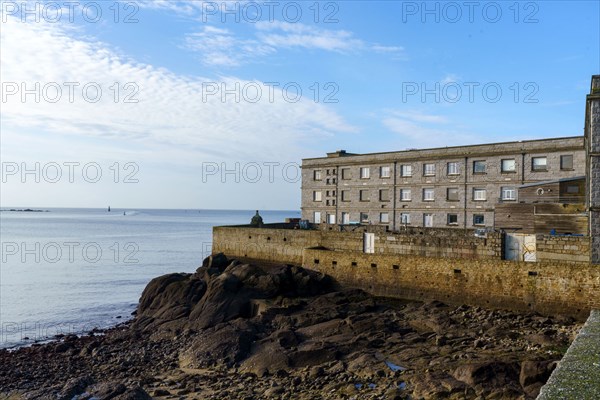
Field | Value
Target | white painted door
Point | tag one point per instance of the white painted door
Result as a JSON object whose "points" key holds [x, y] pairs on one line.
{"points": [[345, 218], [428, 220], [331, 218], [529, 248], [520, 247], [317, 217], [369, 242]]}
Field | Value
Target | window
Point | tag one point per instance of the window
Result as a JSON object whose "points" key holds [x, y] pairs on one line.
{"points": [[317, 175], [428, 220], [405, 194], [566, 162], [327, 172], [317, 196], [345, 218], [385, 172], [331, 218], [384, 218], [452, 194], [406, 170], [509, 193], [478, 219], [364, 217], [508, 165], [453, 168], [317, 217], [327, 193], [365, 173], [539, 164], [428, 169], [326, 202], [405, 218], [364, 195], [428, 194], [346, 173], [479, 167], [479, 194], [452, 219], [573, 189], [345, 195], [384, 195]]}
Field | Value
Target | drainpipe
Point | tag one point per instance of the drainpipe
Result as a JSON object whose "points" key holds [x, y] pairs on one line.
{"points": [[522, 168], [394, 199], [337, 194], [466, 192]]}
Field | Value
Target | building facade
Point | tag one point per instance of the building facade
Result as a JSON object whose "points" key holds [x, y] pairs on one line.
{"points": [[592, 136], [456, 187]]}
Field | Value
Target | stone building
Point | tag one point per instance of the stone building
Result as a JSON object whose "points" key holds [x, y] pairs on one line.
{"points": [[456, 187], [592, 137]]}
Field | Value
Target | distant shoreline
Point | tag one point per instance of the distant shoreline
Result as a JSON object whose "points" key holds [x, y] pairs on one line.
{"points": [[24, 210]]}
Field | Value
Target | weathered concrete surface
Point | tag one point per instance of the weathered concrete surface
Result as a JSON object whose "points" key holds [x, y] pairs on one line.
{"points": [[577, 376]]}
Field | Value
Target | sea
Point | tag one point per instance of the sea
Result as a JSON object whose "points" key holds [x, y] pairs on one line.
{"points": [[68, 271]]}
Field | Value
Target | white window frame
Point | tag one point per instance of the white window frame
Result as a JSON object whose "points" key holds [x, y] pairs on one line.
{"points": [[429, 169], [541, 167], [345, 217], [317, 217], [385, 172], [405, 194], [453, 168], [508, 190], [331, 219], [317, 195], [365, 172], [427, 192], [405, 218], [406, 170], [384, 220], [479, 194], [425, 217], [317, 175]]}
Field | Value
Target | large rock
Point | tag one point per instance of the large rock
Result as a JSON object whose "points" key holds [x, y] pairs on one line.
{"points": [[220, 291], [495, 374]]}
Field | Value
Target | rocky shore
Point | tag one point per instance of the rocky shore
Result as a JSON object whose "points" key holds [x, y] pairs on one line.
{"points": [[241, 331]]}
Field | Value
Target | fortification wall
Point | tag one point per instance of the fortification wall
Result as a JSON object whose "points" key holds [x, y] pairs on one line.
{"points": [[548, 288], [572, 249], [286, 245]]}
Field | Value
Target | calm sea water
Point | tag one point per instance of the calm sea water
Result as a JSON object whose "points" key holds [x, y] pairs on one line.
{"points": [[70, 270]]}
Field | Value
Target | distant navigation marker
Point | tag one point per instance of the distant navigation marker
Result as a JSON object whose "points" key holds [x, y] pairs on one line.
{"points": [[108, 208]]}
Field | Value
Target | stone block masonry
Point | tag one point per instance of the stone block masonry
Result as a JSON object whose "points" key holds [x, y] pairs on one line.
{"points": [[548, 288], [592, 134]]}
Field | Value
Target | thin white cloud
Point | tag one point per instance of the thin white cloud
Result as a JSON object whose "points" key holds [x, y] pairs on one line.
{"points": [[222, 47], [171, 109], [421, 130]]}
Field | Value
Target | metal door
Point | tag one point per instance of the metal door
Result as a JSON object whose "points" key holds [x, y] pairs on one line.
{"points": [[520, 247]]}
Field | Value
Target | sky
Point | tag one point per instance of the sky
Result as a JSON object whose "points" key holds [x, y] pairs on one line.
{"points": [[198, 105]]}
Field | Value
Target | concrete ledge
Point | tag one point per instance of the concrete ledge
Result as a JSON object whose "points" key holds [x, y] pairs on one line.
{"points": [[577, 376]]}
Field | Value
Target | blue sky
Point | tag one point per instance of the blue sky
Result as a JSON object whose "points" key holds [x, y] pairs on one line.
{"points": [[491, 71]]}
